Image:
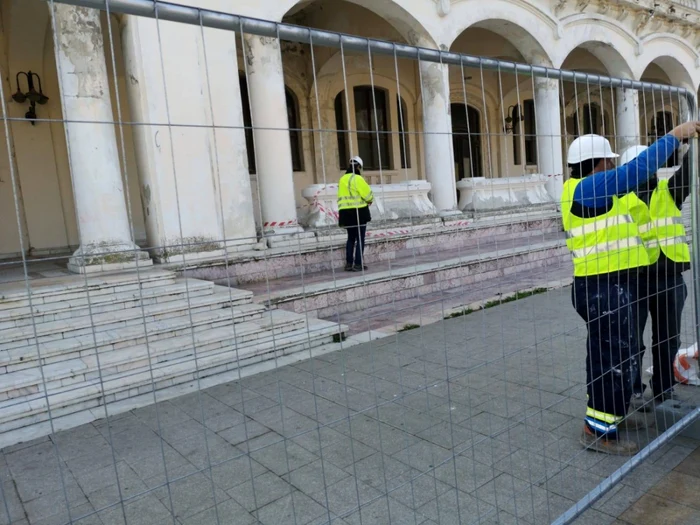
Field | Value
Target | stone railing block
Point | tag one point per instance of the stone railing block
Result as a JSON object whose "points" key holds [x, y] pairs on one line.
{"points": [[402, 200], [485, 194]]}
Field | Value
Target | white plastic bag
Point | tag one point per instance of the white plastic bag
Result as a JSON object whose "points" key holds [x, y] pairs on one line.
{"points": [[685, 366]]}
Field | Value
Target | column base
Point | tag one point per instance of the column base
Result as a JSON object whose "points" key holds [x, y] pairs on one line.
{"points": [[108, 257]]}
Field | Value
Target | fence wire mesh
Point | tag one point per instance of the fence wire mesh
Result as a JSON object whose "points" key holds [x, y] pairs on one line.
{"points": [[187, 337]]}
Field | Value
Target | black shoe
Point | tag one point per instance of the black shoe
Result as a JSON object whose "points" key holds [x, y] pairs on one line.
{"points": [[349, 268], [669, 395], [358, 268]]}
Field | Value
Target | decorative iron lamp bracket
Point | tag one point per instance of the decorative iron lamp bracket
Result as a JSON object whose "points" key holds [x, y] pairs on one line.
{"points": [[512, 119], [32, 96]]}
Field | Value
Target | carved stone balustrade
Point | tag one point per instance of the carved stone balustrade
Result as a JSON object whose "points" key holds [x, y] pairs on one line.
{"points": [[402, 200], [487, 194]]}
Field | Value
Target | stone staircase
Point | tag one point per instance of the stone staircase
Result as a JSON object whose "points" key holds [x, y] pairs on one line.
{"points": [[420, 264], [113, 339]]}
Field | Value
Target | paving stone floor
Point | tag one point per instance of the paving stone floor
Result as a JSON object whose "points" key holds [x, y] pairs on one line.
{"points": [[471, 420]]}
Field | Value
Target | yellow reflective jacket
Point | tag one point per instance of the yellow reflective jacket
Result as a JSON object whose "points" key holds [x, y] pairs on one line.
{"points": [[353, 192], [660, 225], [603, 244]]}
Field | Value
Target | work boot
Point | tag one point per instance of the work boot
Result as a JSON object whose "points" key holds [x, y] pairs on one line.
{"points": [[639, 403], [614, 447], [632, 423], [349, 268]]}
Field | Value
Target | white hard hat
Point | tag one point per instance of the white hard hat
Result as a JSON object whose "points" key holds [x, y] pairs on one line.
{"points": [[590, 147], [630, 154], [357, 160]]}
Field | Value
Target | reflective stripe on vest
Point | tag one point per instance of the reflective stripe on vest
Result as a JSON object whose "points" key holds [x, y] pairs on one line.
{"points": [[602, 248], [660, 225], [603, 244], [668, 221], [668, 229], [668, 241], [599, 225], [347, 198]]}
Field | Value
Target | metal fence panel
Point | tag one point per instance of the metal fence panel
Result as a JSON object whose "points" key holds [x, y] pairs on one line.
{"points": [[193, 352]]}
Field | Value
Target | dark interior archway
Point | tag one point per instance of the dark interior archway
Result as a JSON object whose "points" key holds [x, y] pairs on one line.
{"points": [[466, 140]]}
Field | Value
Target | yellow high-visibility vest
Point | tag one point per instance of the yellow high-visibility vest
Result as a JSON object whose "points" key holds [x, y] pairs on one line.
{"points": [[353, 192], [603, 244], [639, 211], [660, 225]]}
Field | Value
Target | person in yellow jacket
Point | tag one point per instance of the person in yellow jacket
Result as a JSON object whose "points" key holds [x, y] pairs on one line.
{"points": [[354, 199], [655, 207], [607, 252]]}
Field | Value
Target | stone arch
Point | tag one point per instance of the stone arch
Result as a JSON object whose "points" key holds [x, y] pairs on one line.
{"points": [[330, 82], [604, 38], [399, 13], [509, 20], [654, 104], [678, 60]]}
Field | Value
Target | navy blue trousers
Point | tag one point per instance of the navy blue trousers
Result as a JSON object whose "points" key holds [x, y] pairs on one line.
{"points": [[355, 247], [608, 305], [663, 296]]}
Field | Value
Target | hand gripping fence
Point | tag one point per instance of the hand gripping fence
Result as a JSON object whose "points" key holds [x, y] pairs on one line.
{"points": [[408, 478]]}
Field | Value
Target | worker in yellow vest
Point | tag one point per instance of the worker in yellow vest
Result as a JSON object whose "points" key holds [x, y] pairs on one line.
{"points": [[607, 251], [354, 199], [655, 207]]}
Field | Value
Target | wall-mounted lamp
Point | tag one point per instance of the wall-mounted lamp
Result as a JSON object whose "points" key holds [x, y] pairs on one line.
{"points": [[32, 95], [512, 119]]}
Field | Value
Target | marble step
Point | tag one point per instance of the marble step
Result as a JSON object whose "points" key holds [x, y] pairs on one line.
{"points": [[22, 358], [43, 291], [95, 304], [68, 372], [356, 291], [57, 330], [125, 389]]}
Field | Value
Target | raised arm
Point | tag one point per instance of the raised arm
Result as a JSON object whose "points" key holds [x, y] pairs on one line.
{"points": [[679, 183], [595, 191]]}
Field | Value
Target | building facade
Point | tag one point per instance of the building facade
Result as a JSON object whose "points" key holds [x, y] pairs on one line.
{"points": [[160, 139]]}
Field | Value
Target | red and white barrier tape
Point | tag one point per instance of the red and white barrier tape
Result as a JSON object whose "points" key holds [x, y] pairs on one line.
{"points": [[280, 224]]}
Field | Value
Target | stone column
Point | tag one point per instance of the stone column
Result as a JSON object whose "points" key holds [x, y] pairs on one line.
{"points": [[105, 235], [437, 137], [627, 119], [549, 136], [273, 154], [185, 180]]}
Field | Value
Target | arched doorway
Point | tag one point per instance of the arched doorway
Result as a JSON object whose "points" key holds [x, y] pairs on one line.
{"points": [[466, 141]]}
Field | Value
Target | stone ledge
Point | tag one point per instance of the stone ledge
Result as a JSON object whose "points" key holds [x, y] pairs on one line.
{"points": [[378, 232], [379, 277]]}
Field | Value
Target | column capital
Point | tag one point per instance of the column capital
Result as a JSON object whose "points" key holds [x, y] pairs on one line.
{"points": [[549, 84]]}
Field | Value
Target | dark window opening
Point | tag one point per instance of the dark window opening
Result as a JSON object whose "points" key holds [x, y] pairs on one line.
{"points": [[530, 128], [372, 119], [466, 141], [295, 140], [247, 122], [294, 125], [341, 130], [404, 135]]}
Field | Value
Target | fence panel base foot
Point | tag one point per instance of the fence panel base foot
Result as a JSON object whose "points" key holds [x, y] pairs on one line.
{"points": [[670, 412]]}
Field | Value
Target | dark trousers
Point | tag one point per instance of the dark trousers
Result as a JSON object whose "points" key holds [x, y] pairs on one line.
{"points": [[607, 304], [664, 296], [355, 247]]}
